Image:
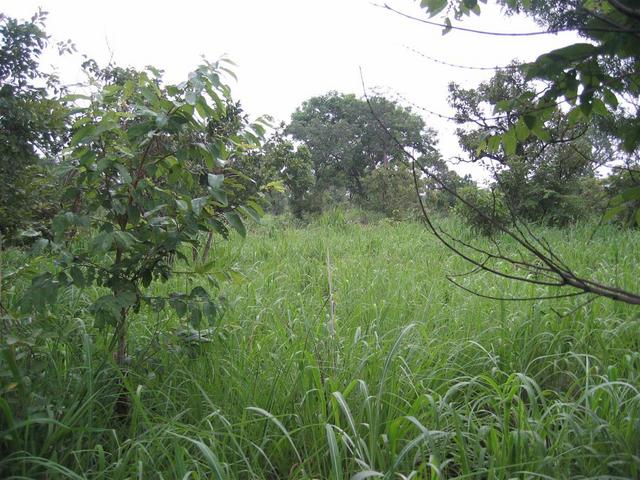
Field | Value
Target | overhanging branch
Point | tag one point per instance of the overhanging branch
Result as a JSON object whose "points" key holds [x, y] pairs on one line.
{"points": [[551, 264]]}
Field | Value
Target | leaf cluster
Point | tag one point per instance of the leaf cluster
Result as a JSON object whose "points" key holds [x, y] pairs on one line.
{"points": [[149, 174]]}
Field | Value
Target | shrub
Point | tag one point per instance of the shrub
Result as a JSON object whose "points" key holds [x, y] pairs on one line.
{"points": [[489, 210]]}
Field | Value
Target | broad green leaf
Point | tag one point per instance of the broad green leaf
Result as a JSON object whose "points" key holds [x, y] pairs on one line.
{"points": [[124, 173], [631, 194], [215, 181], [493, 143], [219, 196], [124, 240], [530, 121], [256, 206], [540, 132], [196, 317], [82, 135], [77, 276], [600, 108], [503, 106], [106, 311], [191, 97], [434, 7], [510, 142], [197, 204], [236, 222], [75, 96], [575, 115], [102, 242], [522, 131], [250, 212], [577, 51], [182, 205], [610, 98], [126, 299]]}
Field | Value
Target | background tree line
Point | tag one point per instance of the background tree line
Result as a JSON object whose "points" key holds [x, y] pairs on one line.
{"points": [[334, 152]]}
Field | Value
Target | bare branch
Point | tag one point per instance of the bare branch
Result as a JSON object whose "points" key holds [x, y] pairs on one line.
{"points": [[614, 27], [551, 263]]}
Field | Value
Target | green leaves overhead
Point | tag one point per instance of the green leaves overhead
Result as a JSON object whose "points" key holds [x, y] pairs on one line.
{"points": [[197, 204], [561, 58], [215, 181], [459, 8], [591, 74], [510, 142], [434, 7]]}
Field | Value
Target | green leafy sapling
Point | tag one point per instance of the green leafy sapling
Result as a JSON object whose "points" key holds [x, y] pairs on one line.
{"points": [[149, 177]]}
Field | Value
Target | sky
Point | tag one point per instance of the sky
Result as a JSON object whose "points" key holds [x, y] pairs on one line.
{"points": [[287, 51]]}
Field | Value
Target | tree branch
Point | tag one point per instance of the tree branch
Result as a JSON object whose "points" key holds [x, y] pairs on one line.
{"points": [[553, 265]]}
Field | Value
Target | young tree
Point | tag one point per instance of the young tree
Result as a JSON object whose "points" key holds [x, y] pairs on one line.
{"points": [[139, 150]]}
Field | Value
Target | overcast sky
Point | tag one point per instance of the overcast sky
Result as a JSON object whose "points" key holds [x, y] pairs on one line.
{"points": [[289, 50]]}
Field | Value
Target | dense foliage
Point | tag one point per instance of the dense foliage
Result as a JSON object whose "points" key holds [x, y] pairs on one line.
{"points": [[33, 129], [149, 168], [357, 149], [134, 345], [285, 171], [419, 376], [598, 81], [549, 176], [140, 152]]}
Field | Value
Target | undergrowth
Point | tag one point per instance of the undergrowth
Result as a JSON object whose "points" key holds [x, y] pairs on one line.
{"points": [[385, 371]]}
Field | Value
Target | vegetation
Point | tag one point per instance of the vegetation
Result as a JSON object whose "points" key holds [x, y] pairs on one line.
{"points": [[417, 376], [590, 78], [141, 152], [33, 128], [332, 339], [549, 176]]}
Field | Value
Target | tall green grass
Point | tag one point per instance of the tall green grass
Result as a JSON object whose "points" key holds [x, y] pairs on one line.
{"points": [[420, 379]]}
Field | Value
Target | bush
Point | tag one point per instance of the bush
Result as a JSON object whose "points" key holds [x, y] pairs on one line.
{"points": [[490, 211], [390, 191], [623, 192]]}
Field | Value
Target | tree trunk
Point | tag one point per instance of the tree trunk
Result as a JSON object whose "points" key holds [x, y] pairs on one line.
{"points": [[121, 352], [207, 247], [123, 403]]}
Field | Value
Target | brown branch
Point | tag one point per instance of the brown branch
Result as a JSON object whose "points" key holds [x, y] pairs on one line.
{"points": [[616, 29], [554, 265], [625, 9], [514, 299]]}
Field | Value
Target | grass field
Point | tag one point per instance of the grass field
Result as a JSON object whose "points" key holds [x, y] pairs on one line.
{"points": [[344, 353]]}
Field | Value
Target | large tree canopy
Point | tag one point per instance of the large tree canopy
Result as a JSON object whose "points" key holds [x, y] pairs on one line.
{"points": [[346, 141], [33, 124]]}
